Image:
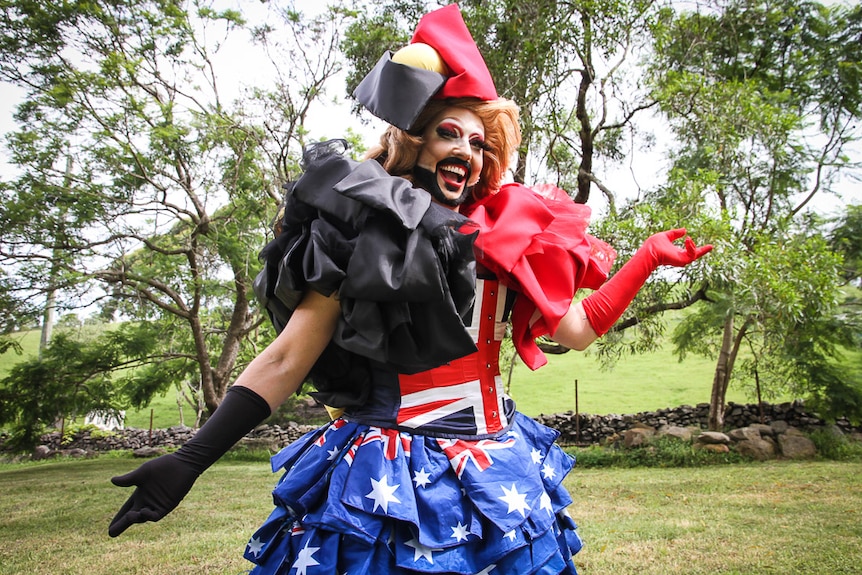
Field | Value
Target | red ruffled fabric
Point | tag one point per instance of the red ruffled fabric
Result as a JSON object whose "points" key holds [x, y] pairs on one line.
{"points": [[536, 242]]}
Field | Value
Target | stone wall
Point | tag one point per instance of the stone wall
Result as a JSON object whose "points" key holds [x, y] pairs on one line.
{"points": [[574, 430], [593, 429], [146, 443]]}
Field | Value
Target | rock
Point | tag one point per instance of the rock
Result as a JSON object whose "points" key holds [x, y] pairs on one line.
{"points": [[796, 446], [148, 452], [745, 434], [270, 443], [41, 452], [763, 429], [681, 433], [637, 437], [758, 449], [779, 427], [712, 438]]}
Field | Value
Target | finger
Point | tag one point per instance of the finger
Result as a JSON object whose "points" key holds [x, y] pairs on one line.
{"points": [[148, 514], [127, 480], [703, 250], [674, 235], [690, 248], [119, 523], [122, 522], [125, 520]]}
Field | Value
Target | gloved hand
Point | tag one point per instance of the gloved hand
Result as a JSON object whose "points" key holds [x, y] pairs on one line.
{"points": [[606, 305], [162, 483]]}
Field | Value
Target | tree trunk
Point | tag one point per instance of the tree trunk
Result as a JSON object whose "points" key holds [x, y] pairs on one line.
{"points": [[719, 381], [216, 380], [586, 130], [723, 369]]}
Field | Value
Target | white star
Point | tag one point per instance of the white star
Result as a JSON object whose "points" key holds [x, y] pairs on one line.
{"points": [[536, 456], [511, 535], [332, 454], [304, 559], [545, 503], [460, 532], [548, 471], [420, 550], [421, 478], [487, 570], [516, 501], [255, 546], [383, 494]]}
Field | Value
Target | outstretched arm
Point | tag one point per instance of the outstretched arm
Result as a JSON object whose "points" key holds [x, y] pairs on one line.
{"points": [[161, 483], [281, 368], [597, 313]]}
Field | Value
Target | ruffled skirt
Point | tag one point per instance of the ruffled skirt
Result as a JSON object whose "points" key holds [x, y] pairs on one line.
{"points": [[356, 498]]}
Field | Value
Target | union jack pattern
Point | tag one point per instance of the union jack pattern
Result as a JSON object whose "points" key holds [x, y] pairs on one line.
{"points": [[460, 452], [391, 439], [335, 425]]}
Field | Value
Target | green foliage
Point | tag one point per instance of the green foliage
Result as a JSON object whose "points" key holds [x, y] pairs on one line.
{"points": [[73, 429], [836, 446], [741, 84], [661, 452], [846, 239], [139, 183], [69, 380], [106, 372]]}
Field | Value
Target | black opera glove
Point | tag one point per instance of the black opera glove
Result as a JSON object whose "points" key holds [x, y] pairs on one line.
{"points": [[161, 483]]}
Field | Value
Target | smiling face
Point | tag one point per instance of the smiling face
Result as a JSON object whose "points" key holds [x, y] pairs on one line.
{"points": [[452, 154]]}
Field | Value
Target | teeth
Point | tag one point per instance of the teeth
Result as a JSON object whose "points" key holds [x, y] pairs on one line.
{"points": [[459, 170]]}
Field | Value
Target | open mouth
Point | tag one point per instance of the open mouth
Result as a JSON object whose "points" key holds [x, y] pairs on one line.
{"points": [[453, 174]]}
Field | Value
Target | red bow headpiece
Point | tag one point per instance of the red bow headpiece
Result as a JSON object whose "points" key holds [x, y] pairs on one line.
{"points": [[442, 61]]}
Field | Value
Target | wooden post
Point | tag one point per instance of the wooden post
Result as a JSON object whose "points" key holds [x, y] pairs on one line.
{"points": [[151, 427], [577, 416]]}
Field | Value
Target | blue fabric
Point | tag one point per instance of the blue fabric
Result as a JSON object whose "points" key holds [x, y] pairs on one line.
{"points": [[360, 499]]}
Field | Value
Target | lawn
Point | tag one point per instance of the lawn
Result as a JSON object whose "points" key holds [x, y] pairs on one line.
{"points": [[748, 519]]}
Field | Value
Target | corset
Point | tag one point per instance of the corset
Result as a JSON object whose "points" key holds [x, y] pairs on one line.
{"points": [[461, 399]]}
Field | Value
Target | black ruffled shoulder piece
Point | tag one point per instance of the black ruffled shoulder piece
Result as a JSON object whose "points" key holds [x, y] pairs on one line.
{"points": [[402, 271]]}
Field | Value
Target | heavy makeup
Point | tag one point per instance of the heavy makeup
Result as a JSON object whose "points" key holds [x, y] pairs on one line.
{"points": [[452, 154]]}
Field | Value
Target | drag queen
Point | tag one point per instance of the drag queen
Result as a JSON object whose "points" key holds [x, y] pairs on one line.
{"points": [[391, 283]]}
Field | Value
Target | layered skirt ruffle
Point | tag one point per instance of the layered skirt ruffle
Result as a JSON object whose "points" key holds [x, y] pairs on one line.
{"points": [[356, 498]]}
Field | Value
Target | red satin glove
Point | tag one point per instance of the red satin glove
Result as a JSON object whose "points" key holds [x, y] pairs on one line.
{"points": [[606, 305]]}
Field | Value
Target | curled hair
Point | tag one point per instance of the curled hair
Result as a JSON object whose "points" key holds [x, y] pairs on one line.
{"points": [[398, 151]]}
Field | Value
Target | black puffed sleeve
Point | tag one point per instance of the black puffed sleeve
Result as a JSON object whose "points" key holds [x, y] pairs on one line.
{"points": [[401, 270]]}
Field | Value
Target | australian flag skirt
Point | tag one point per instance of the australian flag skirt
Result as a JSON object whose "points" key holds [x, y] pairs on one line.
{"points": [[356, 498]]}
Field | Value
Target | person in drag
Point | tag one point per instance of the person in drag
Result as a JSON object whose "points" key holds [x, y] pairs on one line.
{"points": [[391, 283]]}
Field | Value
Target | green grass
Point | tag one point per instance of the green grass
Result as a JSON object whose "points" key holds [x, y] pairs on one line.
{"points": [[639, 383], [746, 519]]}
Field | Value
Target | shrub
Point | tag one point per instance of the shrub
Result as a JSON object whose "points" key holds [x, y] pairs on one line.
{"points": [[660, 452], [836, 446]]}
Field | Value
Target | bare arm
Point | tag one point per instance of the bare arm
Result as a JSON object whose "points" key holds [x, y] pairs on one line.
{"points": [[574, 331], [277, 372]]}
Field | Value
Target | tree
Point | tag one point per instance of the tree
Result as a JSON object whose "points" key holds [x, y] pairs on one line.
{"points": [[846, 239], [173, 187], [763, 99], [73, 377], [539, 54]]}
